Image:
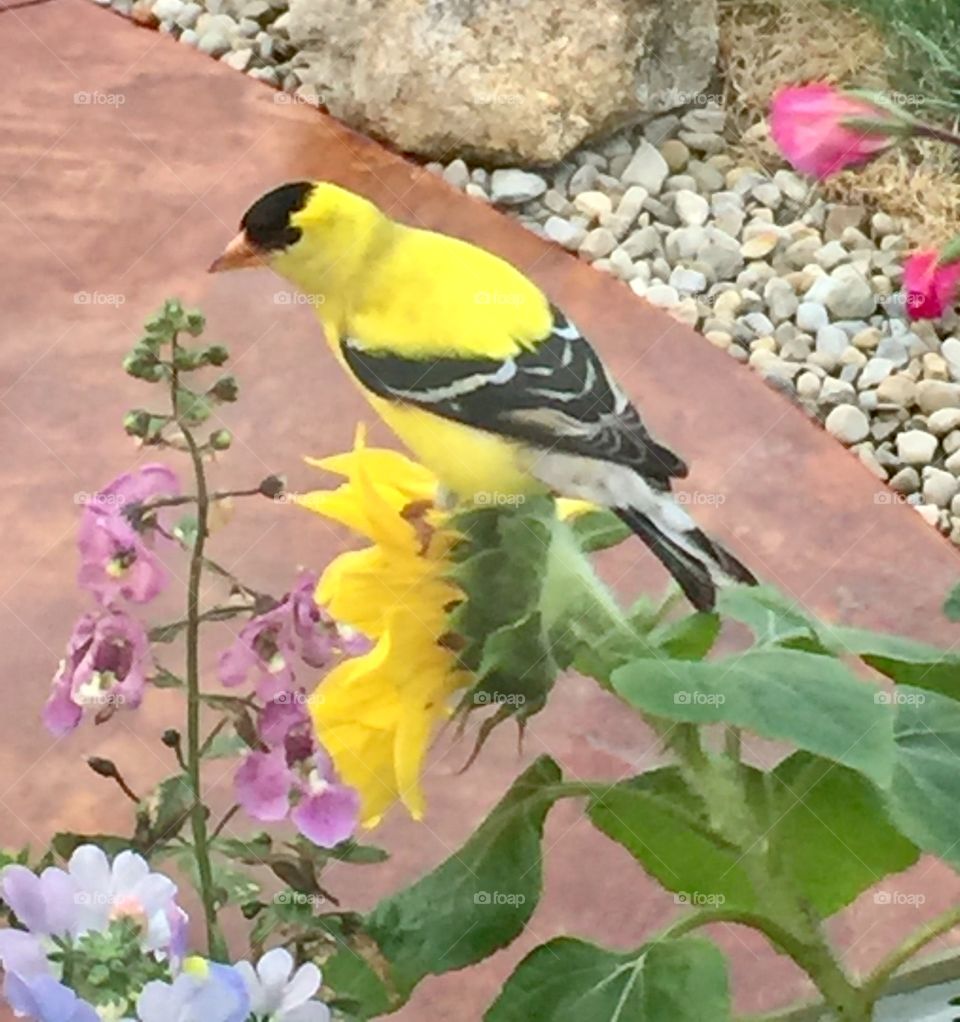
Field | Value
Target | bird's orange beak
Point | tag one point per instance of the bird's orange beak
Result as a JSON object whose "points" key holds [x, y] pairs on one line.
{"points": [[238, 255]]}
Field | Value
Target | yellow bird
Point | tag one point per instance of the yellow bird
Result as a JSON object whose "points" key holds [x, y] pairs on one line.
{"points": [[490, 385]]}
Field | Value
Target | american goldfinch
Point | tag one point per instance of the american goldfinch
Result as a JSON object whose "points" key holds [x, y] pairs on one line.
{"points": [[490, 385]]}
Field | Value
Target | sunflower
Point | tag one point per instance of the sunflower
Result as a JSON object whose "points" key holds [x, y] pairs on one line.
{"points": [[376, 713]]}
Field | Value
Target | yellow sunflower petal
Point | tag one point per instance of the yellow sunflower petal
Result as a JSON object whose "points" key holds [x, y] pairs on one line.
{"points": [[376, 714], [363, 588], [569, 508]]}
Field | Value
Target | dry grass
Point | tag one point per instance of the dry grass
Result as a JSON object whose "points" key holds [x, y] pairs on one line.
{"points": [[769, 43]]}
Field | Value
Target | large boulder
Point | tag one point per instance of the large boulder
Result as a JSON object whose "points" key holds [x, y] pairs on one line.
{"points": [[502, 81]]}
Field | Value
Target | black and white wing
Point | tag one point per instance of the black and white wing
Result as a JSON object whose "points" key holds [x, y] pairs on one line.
{"points": [[560, 400], [559, 397]]}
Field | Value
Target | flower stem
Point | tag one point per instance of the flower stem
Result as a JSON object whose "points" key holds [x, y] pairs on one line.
{"points": [[719, 781], [918, 940], [227, 817], [190, 498], [216, 945], [940, 134]]}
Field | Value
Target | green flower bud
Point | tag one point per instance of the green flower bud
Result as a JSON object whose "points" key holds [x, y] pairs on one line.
{"points": [[221, 440], [174, 314], [225, 389], [216, 355], [137, 423], [151, 342], [194, 322], [186, 361], [142, 365], [193, 409]]}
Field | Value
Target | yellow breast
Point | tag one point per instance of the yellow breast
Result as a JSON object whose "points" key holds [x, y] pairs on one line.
{"points": [[431, 296], [473, 464]]}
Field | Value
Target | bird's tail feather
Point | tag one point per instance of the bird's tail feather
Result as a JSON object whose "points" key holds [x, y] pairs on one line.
{"points": [[698, 563]]}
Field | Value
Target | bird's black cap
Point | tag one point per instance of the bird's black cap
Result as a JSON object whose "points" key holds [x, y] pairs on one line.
{"points": [[267, 222]]}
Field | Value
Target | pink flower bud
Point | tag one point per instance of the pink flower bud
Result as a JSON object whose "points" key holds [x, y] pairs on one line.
{"points": [[822, 130], [931, 284]]}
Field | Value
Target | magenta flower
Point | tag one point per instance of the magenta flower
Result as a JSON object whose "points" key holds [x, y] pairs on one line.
{"points": [[116, 547], [105, 669], [270, 643], [816, 128], [294, 777], [931, 284]]}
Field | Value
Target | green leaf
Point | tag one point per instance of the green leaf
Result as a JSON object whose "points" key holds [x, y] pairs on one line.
{"points": [[251, 850], [951, 606], [227, 744], [690, 638], [186, 531], [167, 633], [66, 843], [598, 530], [905, 661], [832, 832], [829, 831], [359, 855], [479, 899], [295, 873], [950, 253], [665, 827], [164, 678], [812, 701], [168, 807], [233, 886], [20, 857], [569, 980], [774, 619], [926, 783], [359, 992]]}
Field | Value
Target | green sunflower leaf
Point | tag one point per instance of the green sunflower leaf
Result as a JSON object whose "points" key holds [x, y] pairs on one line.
{"points": [[567, 979], [478, 900]]}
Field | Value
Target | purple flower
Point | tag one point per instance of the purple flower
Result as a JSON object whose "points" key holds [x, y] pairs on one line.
{"points": [[23, 953], [116, 558], [104, 669], [283, 715], [269, 643], [44, 904], [295, 778], [44, 999], [204, 992]]}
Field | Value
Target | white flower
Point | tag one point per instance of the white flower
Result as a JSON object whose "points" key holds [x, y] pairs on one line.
{"points": [[103, 893], [277, 995]]}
